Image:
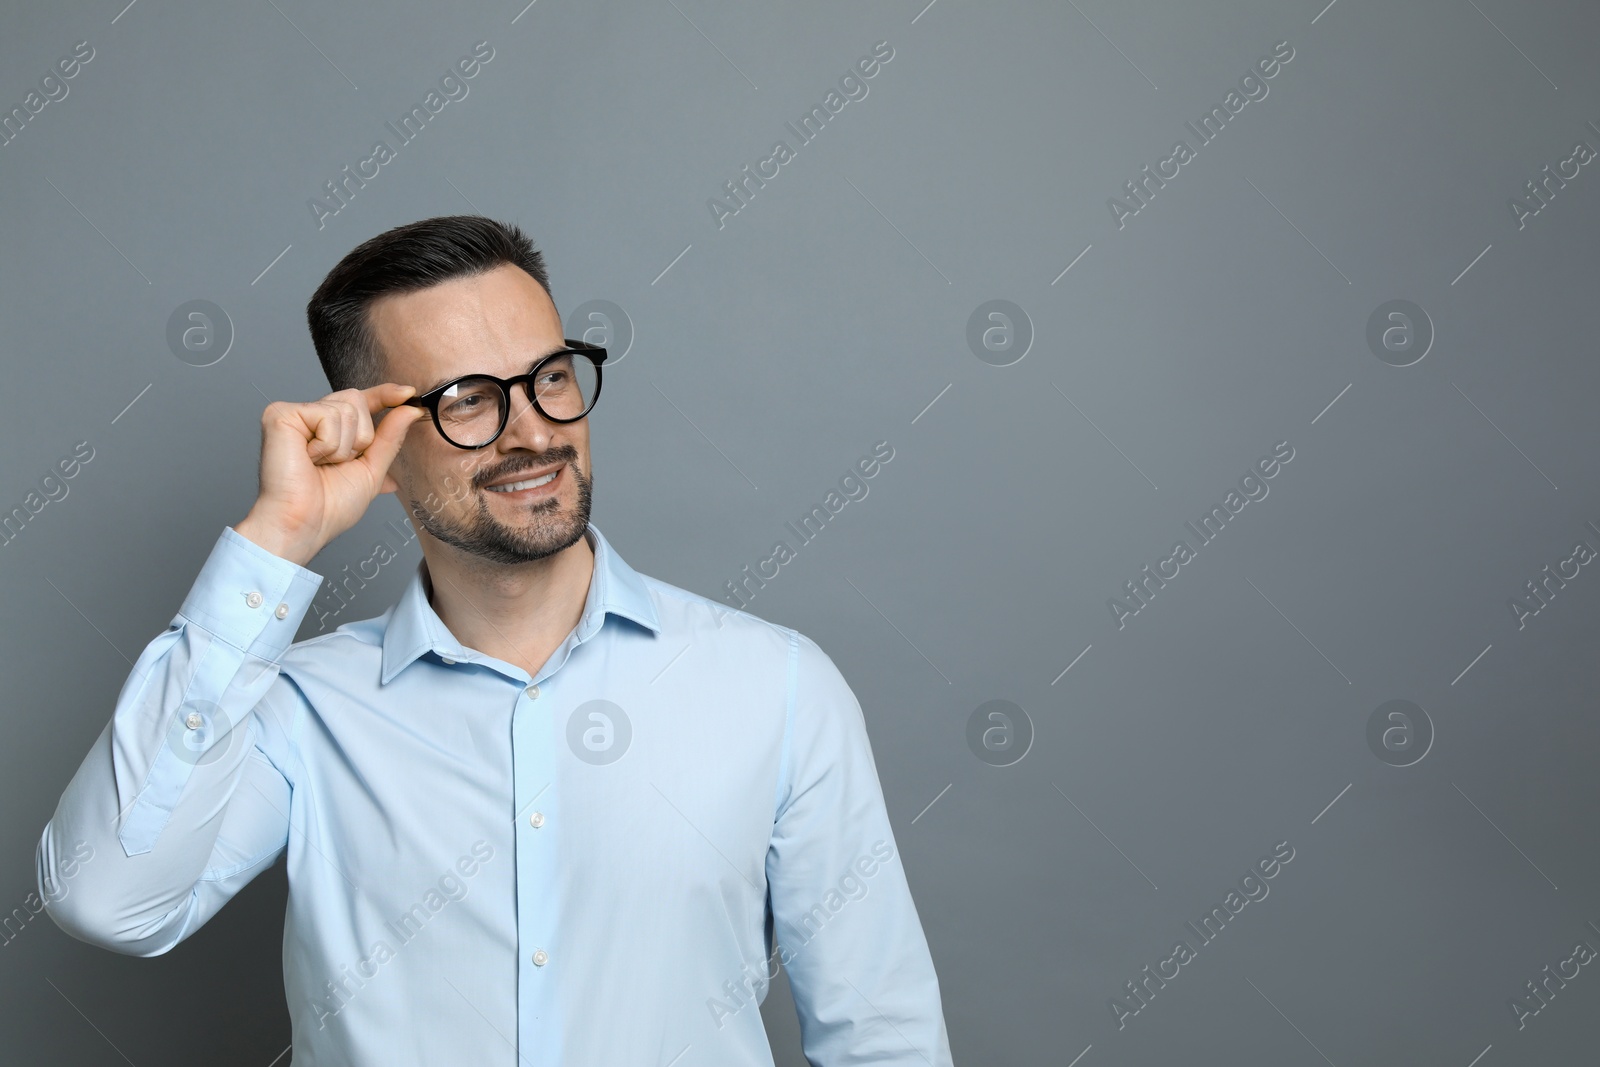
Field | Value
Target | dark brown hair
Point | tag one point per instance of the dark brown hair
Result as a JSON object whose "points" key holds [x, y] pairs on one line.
{"points": [[403, 260]]}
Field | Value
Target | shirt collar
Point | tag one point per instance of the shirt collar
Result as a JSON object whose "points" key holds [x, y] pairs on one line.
{"points": [[414, 628]]}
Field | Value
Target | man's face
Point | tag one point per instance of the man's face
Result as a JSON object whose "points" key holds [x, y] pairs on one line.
{"points": [[499, 322]]}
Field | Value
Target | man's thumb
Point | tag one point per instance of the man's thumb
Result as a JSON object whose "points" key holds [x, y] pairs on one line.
{"points": [[388, 436]]}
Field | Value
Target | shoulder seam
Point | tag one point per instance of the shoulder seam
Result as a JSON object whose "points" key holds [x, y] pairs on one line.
{"points": [[788, 721], [294, 736]]}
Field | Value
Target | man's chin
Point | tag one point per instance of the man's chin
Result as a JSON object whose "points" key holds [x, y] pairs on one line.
{"points": [[543, 535], [492, 539]]}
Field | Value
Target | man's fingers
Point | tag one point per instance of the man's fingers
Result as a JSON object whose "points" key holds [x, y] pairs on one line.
{"points": [[322, 419], [341, 424], [344, 432], [386, 395], [364, 433]]}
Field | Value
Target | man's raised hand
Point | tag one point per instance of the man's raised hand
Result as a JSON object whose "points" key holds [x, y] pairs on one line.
{"points": [[322, 465]]}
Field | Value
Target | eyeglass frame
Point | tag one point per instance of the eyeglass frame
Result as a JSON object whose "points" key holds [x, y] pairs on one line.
{"points": [[596, 354]]}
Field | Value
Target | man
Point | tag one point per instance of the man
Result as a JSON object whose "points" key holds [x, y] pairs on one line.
{"points": [[544, 810]]}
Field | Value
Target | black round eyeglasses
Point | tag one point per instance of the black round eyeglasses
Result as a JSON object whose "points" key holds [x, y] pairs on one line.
{"points": [[471, 411]]}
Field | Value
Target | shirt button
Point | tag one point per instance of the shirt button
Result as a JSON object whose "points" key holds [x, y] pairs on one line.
{"points": [[447, 659], [194, 721], [253, 598], [540, 958], [536, 820], [533, 692], [282, 611]]}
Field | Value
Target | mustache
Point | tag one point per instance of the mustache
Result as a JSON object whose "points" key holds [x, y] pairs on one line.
{"points": [[562, 454]]}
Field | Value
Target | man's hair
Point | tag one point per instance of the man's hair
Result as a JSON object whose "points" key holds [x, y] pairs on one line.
{"points": [[403, 260]]}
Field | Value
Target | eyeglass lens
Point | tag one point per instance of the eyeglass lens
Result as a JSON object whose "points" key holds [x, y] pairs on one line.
{"points": [[471, 410]]}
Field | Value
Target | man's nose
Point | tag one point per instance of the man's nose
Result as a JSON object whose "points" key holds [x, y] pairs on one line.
{"points": [[524, 425]]}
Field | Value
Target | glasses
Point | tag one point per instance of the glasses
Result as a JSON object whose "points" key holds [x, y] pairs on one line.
{"points": [[471, 411]]}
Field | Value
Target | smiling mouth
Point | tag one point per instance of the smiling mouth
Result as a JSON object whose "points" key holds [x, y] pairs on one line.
{"points": [[525, 484]]}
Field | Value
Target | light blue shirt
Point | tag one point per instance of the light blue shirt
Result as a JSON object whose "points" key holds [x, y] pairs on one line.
{"points": [[589, 866]]}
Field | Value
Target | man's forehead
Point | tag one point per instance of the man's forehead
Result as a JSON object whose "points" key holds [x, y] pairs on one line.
{"points": [[484, 318]]}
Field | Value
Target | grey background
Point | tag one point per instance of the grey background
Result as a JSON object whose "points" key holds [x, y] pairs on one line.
{"points": [[1228, 315]]}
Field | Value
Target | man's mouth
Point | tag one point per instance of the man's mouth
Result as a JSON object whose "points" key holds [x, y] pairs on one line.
{"points": [[525, 484]]}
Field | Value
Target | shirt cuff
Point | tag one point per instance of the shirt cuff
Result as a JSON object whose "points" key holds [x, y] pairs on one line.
{"points": [[249, 597]]}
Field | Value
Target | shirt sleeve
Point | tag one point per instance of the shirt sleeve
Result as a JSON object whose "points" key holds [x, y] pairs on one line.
{"points": [[848, 933], [184, 796]]}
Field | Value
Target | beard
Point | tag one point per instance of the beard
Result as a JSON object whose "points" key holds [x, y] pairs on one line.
{"points": [[546, 530]]}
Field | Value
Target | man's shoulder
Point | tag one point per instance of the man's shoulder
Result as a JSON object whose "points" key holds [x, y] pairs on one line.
{"points": [[712, 620], [748, 639]]}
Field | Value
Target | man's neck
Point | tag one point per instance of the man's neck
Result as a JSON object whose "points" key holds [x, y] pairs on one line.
{"points": [[519, 613]]}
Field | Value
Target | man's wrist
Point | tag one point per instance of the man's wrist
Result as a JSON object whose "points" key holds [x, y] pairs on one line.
{"points": [[266, 536]]}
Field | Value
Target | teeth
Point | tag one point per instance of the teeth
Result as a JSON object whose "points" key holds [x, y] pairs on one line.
{"points": [[514, 487]]}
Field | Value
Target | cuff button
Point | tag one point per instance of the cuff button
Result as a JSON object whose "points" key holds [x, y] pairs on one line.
{"points": [[253, 598], [282, 612]]}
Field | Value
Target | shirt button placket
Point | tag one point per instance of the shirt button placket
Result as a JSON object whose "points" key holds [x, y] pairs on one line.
{"points": [[534, 737]]}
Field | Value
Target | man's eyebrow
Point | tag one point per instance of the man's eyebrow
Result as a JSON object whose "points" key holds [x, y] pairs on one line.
{"points": [[452, 377]]}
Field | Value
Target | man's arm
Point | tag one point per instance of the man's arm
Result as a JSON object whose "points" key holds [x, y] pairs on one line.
{"points": [[858, 963], [183, 797]]}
